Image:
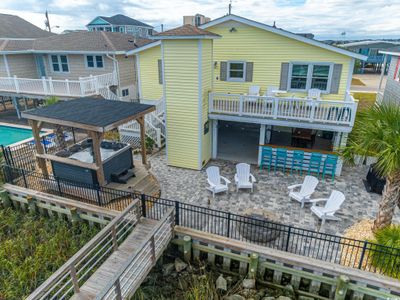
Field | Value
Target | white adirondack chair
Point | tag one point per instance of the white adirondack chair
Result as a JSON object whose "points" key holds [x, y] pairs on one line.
{"points": [[254, 90], [271, 91], [314, 94], [332, 205], [306, 189], [217, 182], [243, 178]]}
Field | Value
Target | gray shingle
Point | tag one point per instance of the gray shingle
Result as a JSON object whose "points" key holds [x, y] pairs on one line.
{"points": [[14, 27]]}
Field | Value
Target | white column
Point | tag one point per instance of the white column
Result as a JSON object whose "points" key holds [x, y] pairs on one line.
{"points": [[214, 138], [261, 142], [382, 73]]}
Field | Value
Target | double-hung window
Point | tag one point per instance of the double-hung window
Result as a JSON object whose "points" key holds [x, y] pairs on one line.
{"points": [[59, 63], [305, 76], [94, 61], [236, 70]]}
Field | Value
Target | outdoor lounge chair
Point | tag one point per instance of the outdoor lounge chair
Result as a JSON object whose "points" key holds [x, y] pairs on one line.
{"points": [[314, 94], [243, 178], [306, 189], [332, 205], [254, 90], [217, 182]]}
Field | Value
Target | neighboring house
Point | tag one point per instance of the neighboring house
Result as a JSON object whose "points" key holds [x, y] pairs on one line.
{"points": [[70, 65], [204, 73], [16, 28], [371, 48], [122, 24], [390, 93], [195, 20]]}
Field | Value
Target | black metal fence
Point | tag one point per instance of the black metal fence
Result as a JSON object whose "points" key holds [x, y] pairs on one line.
{"points": [[331, 248]]}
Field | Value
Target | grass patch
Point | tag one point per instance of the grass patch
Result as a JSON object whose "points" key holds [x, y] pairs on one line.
{"points": [[365, 100], [356, 81], [34, 247]]}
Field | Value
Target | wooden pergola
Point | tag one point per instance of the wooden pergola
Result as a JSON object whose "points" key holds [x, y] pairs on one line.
{"points": [[95, 116]]}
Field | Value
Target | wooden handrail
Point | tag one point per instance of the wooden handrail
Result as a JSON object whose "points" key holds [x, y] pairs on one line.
{"points": [[54, 278], [302, 149]]}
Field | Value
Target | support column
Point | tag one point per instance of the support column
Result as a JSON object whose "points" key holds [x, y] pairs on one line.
{"points": [[97, 137], [214, 150], [143, 139], [36, 126], [16, 105], [382, 73], [261, 142]]}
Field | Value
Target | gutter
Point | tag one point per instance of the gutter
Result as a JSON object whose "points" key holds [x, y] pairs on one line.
{"points": [[116, 68], [31, 51]]}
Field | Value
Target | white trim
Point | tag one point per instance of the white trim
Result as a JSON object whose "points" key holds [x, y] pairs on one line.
{"points": [[214, 144], [95, 67], [6, 65], [165, 100], [350, 76], [59, 64], [183, 37], [283, 33], [138, 76], [261, 142], [94, 25], [31, 51], [309, 75], [145, 47], [390, 53], [200, 106], [228, 77]]}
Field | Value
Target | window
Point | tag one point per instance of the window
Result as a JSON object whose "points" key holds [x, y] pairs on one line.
{"points": [[59, 63], [94, 61], [305, 76], [236, 71], [125, 92], [108, 29]]}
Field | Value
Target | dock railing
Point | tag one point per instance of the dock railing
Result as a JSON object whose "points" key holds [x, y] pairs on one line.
{"points": [[287, 108]]}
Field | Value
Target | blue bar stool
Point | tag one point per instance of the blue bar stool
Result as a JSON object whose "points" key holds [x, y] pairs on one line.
{"points": [[297, 161], [330, 166], [315, 163], [280, 159], [266, 158]]}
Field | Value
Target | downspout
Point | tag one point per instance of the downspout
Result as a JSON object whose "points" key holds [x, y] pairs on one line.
{"points": [[116, 69]]}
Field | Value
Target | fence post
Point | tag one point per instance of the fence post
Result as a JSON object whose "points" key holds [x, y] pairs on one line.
{"points": [[44, 144], [118, 290], [114, 238], [276, 108], [67, 87], [364, 249], [153, 248], [176, 212], [143, 201], [58, 185], [240, 105], [98, 195], [31, 205], [253, 265], [288, 238], [341, 287], [228, 232], [187, 248], [16, 83], [51, 87], [74, 279], [312, 113], [5, 198], [23, 175], [44, 85]]}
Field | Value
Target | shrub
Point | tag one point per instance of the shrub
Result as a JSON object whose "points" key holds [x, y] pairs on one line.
{"points": [[385, 253]]}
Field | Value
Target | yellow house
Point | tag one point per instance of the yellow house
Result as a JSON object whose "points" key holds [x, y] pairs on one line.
{"points": [[244, 86]]}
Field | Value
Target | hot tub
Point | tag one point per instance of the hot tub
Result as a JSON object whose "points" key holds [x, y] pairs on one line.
{"points": [[116, 159]]}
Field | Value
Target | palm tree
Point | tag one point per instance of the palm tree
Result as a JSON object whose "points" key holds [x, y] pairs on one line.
{"points": [[377, 133], [59, 130]]}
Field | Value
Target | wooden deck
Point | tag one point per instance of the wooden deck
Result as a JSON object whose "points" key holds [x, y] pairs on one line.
{"points": [[109, 268]]}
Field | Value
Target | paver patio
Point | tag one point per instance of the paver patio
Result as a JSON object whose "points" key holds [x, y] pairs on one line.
{"points": [[270, 193]]}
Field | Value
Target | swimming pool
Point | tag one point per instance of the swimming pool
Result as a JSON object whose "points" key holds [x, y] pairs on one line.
{"points": [[10, 134]]}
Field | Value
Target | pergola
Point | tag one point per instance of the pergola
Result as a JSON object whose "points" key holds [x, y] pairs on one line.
{"points": [[95, 116]]}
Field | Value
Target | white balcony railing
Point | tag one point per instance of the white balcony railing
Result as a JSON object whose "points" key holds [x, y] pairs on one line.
{"points": [[84, 86], [299, 109]]}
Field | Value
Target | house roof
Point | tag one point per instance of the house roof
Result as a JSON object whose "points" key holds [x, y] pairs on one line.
{"points": [[185, 32], [82, 41], [122, 20], [369, 42], [15, 45], [282, 32], [89, 113], [14, 27]]}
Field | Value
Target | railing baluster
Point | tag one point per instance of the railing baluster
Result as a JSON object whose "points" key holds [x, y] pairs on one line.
{"points": [[74, 279]]}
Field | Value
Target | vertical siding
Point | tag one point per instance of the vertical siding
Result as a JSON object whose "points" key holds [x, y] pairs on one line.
{"points": [[150, 87], [392, 88], [77, 67], [127, 75], [22, 65], [206, 88], [3, 70], [267, 50], [181, 90]]}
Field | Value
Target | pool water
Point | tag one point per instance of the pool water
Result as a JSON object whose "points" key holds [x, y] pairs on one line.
{"points": [[10, 135]]}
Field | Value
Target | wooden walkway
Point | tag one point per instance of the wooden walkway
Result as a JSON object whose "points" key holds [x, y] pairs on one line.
{"points": [[98, 281]]}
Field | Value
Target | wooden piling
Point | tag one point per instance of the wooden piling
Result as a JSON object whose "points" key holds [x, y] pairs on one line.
{"points": [[187, 248], [341, 287], [253, 266], [31, 205], [74, 215], [5, 198]]}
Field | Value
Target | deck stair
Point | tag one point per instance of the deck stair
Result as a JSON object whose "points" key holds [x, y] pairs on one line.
{"points": [[115, 262]]}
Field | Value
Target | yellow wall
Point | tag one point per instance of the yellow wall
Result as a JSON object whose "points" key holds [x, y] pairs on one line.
{"points": [[206, 88], [267, 51], [182, 102], [150, 87]]}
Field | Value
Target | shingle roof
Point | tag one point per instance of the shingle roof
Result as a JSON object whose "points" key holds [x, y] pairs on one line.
{"points": [[124, 20], [87, 41], [186, 30], [14, 27]]}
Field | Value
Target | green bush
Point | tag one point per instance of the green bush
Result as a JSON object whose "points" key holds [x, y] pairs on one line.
{"points": [[33, 247], [383, 258]]}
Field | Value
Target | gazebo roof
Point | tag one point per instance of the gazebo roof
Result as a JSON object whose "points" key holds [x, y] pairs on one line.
{"points": [[89, 113]]}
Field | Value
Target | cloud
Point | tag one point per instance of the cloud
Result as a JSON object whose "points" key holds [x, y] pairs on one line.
{"points": [[326, 19]]}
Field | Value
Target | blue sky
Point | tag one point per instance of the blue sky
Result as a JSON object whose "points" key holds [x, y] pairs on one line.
{"points": [[325, 18]]}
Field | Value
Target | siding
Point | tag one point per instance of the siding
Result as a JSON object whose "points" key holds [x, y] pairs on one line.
{"points": [[22, 65], [392, 88], [150, 87], [181, 77], [3, 71], [206, 88], [128, 76], [267, 50]]}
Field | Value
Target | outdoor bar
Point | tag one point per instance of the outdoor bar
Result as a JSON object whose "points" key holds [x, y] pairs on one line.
{"points": [[96, 161]]}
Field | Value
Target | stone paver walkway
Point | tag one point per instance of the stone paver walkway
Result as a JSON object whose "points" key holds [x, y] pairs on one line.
{"points": [[270, 193]]}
